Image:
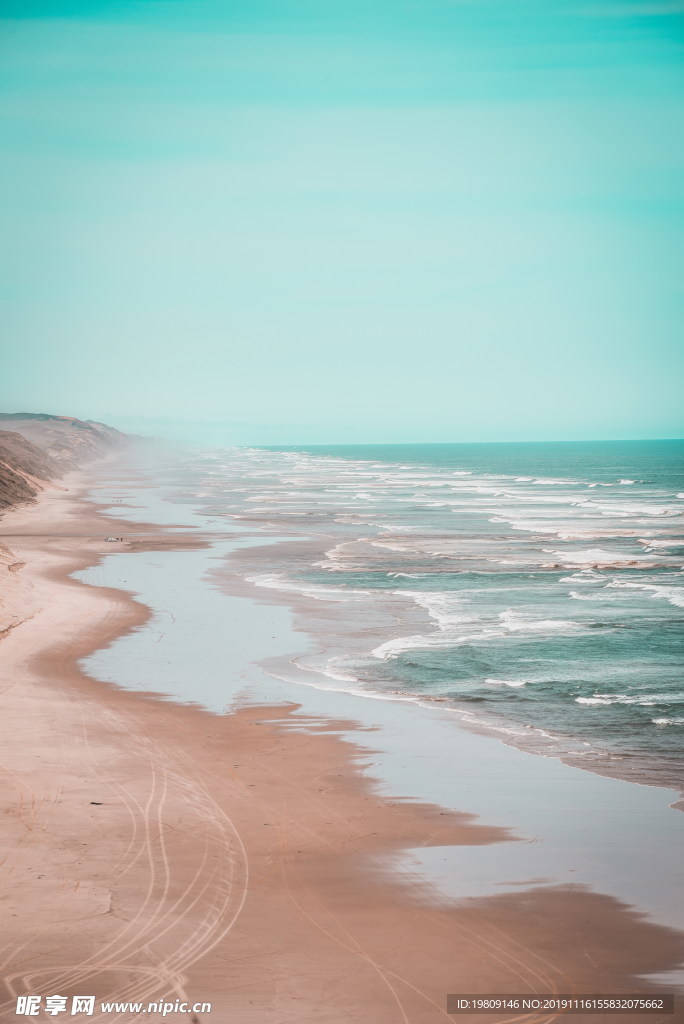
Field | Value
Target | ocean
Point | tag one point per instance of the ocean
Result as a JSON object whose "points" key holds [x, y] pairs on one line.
{"points": [[534, 590]]}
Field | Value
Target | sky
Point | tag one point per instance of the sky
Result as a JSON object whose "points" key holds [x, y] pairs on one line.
{"points": [[330, 221]]}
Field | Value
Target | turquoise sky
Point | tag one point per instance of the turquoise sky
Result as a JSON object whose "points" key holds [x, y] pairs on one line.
{"points": [[345, 220]]}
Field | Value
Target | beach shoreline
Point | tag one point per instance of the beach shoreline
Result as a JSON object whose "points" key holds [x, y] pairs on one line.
{"points": [[236, 579], [132, 818]]}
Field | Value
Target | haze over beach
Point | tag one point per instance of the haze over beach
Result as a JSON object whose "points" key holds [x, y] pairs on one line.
{"points": [[341, 511]]}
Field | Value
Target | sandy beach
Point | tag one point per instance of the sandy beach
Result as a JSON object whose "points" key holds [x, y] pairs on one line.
{"points": [[153, 850]]}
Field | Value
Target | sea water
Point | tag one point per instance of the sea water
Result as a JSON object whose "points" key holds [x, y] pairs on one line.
{"points": [[536, 589]]}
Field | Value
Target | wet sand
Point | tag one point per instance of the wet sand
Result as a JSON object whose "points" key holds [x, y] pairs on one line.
{"points": [[158, 851]]}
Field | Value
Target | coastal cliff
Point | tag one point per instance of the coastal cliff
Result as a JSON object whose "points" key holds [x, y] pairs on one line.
{"points": [[36, 448]]}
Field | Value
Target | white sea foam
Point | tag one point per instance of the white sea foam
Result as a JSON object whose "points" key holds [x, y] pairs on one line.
{"points": [[640, 700], [393, 648], [337, 554], [444, 608], [628, 508], [673, 595], [655, 545], [593, 558], [456, 628], [333, 672], [598, 534], [408, 576], [320, 592], [530, 526], [584, 576], [668, 721], [392, 545], [517, 621], [507, 682]]}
